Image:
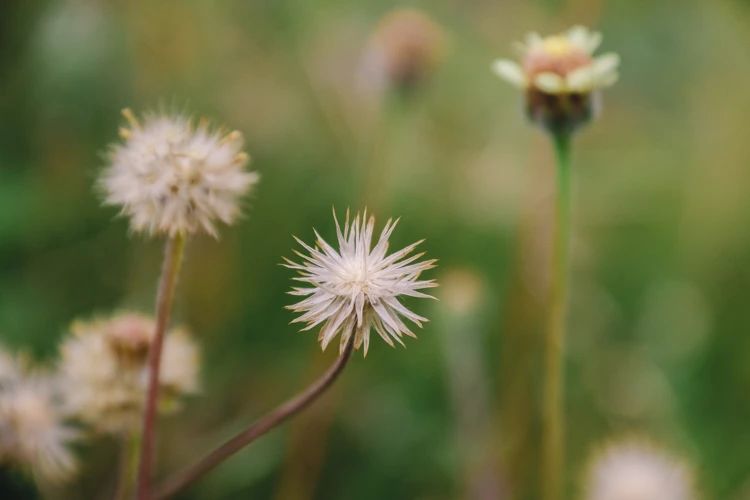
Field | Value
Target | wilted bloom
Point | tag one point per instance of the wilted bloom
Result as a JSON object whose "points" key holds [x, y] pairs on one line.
{"points": [[356, 287], [171, 176], [560, 75], [405, 48], [104, 363], [636, 470], [33, 433]]}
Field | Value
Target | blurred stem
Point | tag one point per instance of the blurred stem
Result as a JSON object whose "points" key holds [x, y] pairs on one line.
{"points": [[276, 417], [129, 448], [553, 423], [173, 253]]}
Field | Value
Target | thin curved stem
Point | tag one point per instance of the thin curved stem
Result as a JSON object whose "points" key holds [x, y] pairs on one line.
{"points": [[173, 253], [276, 417], [553, 422]]}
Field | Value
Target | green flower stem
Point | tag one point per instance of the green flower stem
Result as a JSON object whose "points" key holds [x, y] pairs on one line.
{"points": [[130, 445], [553, 420], [173, 253]]}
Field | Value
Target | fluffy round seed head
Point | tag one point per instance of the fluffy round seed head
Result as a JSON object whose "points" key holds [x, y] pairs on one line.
{"points": [[104, 362], [357, 287], [559, 75], [33, 434], [170, 176], [636, 470]]}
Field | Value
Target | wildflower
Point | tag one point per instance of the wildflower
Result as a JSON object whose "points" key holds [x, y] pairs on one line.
{"points": [[560, 76], [104, 362], [461, 291], [356, 287], [635, 470], [173, 177], [33, 434], [9, 369], [404, 50]]}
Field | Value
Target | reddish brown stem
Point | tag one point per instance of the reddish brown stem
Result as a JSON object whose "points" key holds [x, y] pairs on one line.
{"points": [[170, 269], [276, 417]]}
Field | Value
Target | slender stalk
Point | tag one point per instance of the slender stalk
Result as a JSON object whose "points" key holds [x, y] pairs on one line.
{"points": [[553, 421], [173, 253], [129, 448], [276, 417]]}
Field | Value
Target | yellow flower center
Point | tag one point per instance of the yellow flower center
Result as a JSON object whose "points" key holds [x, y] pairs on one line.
{"points": [[557, 45]]}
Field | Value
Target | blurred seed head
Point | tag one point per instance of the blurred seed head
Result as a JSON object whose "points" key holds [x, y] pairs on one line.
{"points": [[561, 77], [635, 469], [404, 50], [357, 287], [33, 433], [461, 291], [171, 176], [104, 368]]}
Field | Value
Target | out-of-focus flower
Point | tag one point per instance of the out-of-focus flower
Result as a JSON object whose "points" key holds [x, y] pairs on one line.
{"points": [[357, 287], [33, 433], [104, 366], [637, 470], [404, 49], [9, 369], [173, 177], [461, 291], [559, 74]]}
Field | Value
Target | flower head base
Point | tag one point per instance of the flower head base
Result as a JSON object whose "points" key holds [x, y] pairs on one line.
{"points": [[33, 434], [172, 177], [104, 362], [637, 470], [560, 76], [356, 287]]}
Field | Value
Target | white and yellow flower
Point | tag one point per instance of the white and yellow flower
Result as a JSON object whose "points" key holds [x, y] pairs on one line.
{"points": [[561, 64]]}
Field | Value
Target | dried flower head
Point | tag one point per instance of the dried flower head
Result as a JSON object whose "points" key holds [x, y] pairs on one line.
{"points": [[9, 367], [357, 287], [104, 362], [559, 74], [405, 49], [173, 177], [636, 470], [33, 434]]}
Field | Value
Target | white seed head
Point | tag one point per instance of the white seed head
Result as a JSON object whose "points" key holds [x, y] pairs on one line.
{"points": [[172, 177], [104, 365], [356, 287], [637, 470], [9, 367], [33, 434], [560, 64]]}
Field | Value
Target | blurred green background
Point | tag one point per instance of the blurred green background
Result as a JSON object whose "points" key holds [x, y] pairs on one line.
{"points": [[660, 315]]}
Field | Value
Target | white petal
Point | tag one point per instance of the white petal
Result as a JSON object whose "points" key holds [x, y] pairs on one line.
{"points": [[608, 80], [578, 36], [605, 63], [534, 40], [581, 80], [510, 72], [584, 39], [550, 83]]}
